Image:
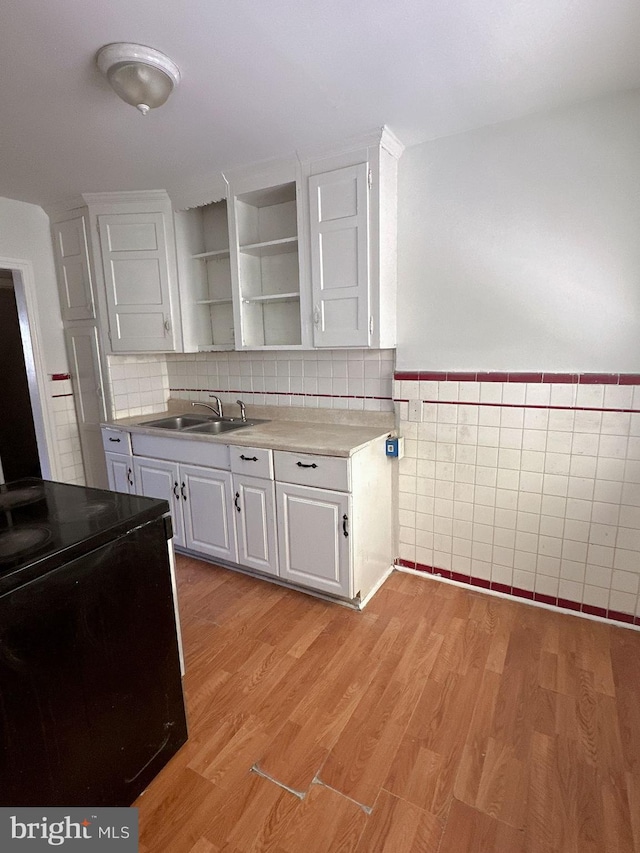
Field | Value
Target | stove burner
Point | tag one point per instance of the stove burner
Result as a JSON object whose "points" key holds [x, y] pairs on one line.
{"points": [[19, 497], [21, 540]]}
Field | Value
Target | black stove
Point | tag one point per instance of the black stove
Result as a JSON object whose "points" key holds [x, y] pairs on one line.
{"points": [[91, 703], [44, 524]]}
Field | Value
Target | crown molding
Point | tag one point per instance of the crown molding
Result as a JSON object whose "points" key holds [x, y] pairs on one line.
{"points": [[126, 197]]}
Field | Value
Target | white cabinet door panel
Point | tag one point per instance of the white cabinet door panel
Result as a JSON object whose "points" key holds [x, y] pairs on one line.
{"points": [[83, 350], [209, 527], [120, 472], [136, 273], [256, 523], [313, 533], [155, 478], [339, 228], [74, 271]]}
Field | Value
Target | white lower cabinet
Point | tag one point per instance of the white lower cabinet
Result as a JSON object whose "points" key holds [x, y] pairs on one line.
{"points": [[255, 515], [320, 522], [155, 478], [199, 499], [120, 473], [206, 504], [313, 537]]}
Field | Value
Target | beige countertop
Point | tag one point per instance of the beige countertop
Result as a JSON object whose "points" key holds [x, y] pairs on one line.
{"points": [[283, 431]]}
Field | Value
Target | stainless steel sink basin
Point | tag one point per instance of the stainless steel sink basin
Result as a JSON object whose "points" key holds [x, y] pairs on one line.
{"points": [[201, 424], [215, 427], [177, 422]]}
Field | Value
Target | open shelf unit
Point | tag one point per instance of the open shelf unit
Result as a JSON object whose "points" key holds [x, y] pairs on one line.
{"points": [[205, 249], [268, 268]]}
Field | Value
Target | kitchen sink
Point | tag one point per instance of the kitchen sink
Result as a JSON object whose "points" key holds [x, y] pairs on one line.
{"points": [[201, 424], [177, 422], [223, 425]]}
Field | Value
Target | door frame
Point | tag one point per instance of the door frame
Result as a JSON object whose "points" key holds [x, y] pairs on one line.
{"points": [[30, 333]]}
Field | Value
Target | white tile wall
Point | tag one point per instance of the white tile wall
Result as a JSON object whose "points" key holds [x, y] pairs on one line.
{"points": [[139, 384], [546, 500], [66, 432], [360, 380]]}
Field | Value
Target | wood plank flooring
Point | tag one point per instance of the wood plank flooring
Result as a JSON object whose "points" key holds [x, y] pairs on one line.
{"points": [[438, 720]]}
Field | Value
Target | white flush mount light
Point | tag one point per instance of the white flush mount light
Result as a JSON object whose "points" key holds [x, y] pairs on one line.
{"points": [[141, 76]]}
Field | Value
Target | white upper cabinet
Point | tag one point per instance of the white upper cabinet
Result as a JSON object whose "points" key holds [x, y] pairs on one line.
{"points": [[265, 221], [352, 228], [75, 285], [134, 262], [206, 303], [135, 245], [339, 219]]}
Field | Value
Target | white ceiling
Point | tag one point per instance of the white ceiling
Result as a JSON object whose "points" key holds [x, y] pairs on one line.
{"points": [[264, 78]]}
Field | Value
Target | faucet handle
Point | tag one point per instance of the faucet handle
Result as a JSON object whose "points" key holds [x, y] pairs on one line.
{"points": [[243, 413]]}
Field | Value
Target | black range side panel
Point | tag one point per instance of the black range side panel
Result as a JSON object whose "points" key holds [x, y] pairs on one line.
{"points": [[91, 704]]}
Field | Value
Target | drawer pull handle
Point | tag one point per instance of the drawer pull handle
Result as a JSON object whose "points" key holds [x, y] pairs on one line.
{"points": [[302, 465], [248, 458], [235, 501], [182, 488], [345, 519], [175, 492], [114, 439]]}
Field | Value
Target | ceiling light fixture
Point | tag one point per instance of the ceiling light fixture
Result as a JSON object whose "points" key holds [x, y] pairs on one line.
{"points": [[141, 76]]}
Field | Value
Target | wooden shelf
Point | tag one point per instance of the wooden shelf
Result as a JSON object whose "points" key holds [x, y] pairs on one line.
{"points": [[213, 301], [285, 246]]}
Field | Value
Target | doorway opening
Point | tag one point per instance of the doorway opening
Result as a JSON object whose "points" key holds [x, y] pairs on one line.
{"points": [[24, 430]]}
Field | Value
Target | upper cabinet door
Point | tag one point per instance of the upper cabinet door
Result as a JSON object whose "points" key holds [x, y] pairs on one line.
{"points": [[74, 271], [339, 229], [136, 274]]}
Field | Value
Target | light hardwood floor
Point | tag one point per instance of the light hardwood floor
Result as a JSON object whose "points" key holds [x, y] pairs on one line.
{"points": [[438, 720]]}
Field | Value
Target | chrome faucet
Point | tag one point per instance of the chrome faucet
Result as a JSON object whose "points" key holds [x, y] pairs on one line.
{"points": [[243, 414], [215, 411]]}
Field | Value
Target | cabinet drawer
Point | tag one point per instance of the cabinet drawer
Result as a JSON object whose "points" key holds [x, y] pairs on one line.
{"points": [[116, 440], [254, 461], [325, 472], [205, 453]]}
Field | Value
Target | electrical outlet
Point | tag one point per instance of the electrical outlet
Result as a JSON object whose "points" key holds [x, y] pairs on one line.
{"points": [[415, 410]]}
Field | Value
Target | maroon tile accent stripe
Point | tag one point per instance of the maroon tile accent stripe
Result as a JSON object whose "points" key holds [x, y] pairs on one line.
{"points": [[507, 376], [517, 405], [527, 594], [54, 396], [282, 393], [59, 377]]}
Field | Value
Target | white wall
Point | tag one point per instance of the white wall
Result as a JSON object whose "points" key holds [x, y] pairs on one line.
{"points": [[519, 245], [25, 235]]}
